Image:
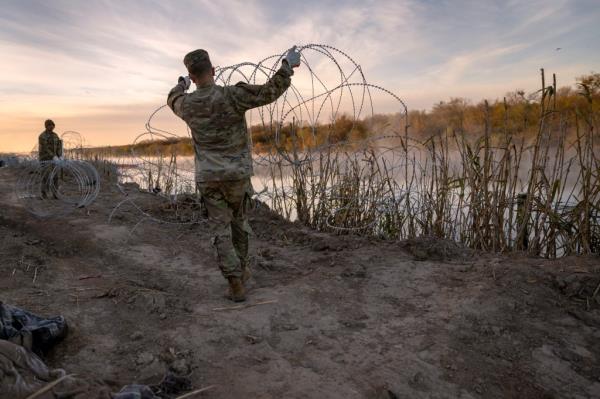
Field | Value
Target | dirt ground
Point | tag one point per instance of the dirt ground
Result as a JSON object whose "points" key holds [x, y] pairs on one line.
{"points": [[332, 316]]}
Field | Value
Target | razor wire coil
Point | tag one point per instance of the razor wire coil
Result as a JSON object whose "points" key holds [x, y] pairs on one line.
{"points": [[321, 104], [56, 188]]}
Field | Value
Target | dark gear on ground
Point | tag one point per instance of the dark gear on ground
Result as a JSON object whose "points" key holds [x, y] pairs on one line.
{"points": [[170, 386], [31, 331], [216, 117], [23, 373]]}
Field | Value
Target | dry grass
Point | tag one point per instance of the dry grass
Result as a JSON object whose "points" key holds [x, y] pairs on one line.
{"points": [[499, 191]]}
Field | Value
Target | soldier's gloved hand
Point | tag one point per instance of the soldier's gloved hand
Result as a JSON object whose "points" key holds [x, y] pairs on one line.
{"points": [[185, 82], [293, 57]]}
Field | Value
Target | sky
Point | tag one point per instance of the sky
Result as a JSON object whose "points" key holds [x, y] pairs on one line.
{"points": [[102, 67]]}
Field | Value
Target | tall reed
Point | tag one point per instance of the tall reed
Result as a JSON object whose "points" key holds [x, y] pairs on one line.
{"points": [[496, 191]]}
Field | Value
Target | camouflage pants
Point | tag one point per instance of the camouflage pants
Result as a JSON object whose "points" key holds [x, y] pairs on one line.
{"points": [[227, 203], [49, 181]]}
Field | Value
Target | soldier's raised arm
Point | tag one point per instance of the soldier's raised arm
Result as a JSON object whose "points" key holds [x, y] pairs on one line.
{"points": [[245, 96], [177, 95]]}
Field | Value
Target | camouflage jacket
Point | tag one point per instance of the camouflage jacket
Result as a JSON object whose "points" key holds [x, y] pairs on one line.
{"points": [[49, 146], [215, 115]]}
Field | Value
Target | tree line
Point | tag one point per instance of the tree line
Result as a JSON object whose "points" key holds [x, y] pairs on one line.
{"points": [[517, 113]]}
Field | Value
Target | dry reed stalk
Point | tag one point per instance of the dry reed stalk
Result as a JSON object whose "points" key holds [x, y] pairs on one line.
{"points": [[194, 393], [49, 386], [246, 306]]}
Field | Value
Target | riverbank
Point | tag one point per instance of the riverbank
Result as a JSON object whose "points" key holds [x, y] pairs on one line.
{"points": [[328, 316]]}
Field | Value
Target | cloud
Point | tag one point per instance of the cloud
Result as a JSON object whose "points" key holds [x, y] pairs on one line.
{"points": [[71, 59]]}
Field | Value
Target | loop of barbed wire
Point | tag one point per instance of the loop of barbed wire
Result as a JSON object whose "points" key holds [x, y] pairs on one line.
{"points": [[56, 188], [337, 89]]}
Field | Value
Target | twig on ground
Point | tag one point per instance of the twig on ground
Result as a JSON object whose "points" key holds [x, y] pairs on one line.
{"points": [[190, 394], [596, 291], [76, 298], [89, 277], [49, 386], [245, 306]]}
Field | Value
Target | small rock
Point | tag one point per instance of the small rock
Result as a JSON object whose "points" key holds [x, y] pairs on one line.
{"points": [[560, 283], [266, 265], [571, 279], [418, 377], [180, 367], [163, 316], [151, 373], [574, 288], [253, 340], [357, 272], [419, 254], [320, 246], [354, 324], [287, 327], [136, 336], [266, 254], [168, 355], [144, 358]]}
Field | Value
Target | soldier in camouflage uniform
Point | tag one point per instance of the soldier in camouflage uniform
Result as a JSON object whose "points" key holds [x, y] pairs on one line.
{"points": [[49, 148], [215, 115]]}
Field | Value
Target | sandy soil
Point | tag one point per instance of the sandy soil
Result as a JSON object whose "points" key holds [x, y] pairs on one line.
{"points": [[346, 317]]}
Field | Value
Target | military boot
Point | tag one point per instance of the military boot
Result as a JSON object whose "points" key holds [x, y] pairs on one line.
{"points": [[246, 273], [237, 293]]}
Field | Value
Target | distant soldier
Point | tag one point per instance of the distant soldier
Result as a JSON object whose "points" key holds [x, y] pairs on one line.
{"points": [[215, 115], [49, 148]]}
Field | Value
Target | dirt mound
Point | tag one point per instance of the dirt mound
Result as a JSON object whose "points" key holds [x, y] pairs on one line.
{"points": [[435, 248]]}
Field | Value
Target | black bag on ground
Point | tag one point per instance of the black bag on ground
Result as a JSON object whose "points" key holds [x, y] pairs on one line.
{"points": [[31, 331]]}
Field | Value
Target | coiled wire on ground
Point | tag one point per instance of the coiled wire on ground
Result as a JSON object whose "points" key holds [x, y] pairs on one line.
{"points": [[58, 187]]}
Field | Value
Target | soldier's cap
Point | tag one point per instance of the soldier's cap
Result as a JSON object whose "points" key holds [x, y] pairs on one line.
{"points": [[49, 122], [195, 57]]}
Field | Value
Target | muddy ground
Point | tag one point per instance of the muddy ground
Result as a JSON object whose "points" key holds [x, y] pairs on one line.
{"points": [[334, 316]]}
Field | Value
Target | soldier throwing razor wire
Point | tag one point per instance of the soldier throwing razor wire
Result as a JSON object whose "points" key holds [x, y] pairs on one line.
{"points": [[215, 115]]}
